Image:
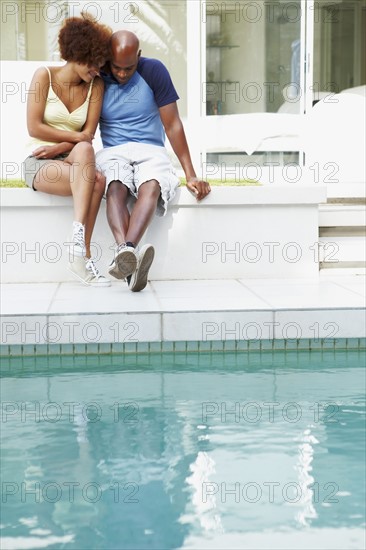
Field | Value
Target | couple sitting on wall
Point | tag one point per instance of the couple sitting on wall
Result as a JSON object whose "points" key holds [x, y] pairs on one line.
{"points": [[105, 80]]}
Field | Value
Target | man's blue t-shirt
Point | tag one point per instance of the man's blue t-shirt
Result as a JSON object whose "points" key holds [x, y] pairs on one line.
{"points": [[130, 111]]}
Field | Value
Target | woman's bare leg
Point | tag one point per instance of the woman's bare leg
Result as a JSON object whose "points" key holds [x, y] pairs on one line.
{"points": [[74, 176], [97, 195]]}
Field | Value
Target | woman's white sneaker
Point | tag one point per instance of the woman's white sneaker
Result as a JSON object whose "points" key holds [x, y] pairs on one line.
{"points": [[78, 239], [95, 278], [87, 273]]}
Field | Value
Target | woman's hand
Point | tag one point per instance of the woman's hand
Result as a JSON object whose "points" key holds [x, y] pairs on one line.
{"points": [[83, 136], [47, 152], [51, 151]]}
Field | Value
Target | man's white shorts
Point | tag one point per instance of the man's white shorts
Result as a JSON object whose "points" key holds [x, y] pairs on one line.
{"points": [[135, 163]]}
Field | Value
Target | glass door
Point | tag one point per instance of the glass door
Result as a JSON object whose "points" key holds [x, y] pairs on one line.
{"points": [[253, 70], [264, 65], [253, 56], [339, 46]]}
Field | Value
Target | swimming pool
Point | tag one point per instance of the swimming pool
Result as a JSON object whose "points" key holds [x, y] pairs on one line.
{"points": [[184, 450]]}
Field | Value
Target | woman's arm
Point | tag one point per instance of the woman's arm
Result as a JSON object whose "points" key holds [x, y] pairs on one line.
{"points": [[36, 104], [51, 151], [95, 107]]}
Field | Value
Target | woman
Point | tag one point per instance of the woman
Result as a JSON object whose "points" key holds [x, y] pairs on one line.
{"points": [[63, 111]]}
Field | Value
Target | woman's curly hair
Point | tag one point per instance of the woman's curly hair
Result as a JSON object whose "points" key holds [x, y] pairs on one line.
{"points": [[84, 40]]}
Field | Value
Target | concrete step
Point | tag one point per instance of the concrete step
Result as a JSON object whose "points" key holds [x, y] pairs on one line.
{"points": [[345, 271], [342, 215], [335, 249], [346, 190], [342, 236]]}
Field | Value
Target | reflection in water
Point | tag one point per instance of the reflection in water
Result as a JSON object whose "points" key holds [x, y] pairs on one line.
{"points": [[306, 452], [170, 451], [204, 506]]}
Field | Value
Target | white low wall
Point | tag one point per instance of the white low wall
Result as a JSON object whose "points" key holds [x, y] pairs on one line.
{"points": [[237, 232]]}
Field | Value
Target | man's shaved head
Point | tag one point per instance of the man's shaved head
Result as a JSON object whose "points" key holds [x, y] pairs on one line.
{"points": [[125, 42], [125, 48]]}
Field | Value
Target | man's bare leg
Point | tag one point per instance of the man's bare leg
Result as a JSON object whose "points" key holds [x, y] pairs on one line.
{"points": [[118, 215], [143, 211], [126, 227], [130, 229]]}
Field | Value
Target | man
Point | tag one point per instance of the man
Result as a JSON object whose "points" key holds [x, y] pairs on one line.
{"points": [[139, 108]]}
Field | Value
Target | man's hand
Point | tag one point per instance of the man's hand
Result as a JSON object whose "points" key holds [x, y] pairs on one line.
{"points": [[198, 187]]}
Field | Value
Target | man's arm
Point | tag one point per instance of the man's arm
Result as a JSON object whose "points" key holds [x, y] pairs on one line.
{"points": [[175, 132]]}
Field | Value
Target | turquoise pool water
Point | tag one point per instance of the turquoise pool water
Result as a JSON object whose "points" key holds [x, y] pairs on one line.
{"points": [[221, 450]]}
